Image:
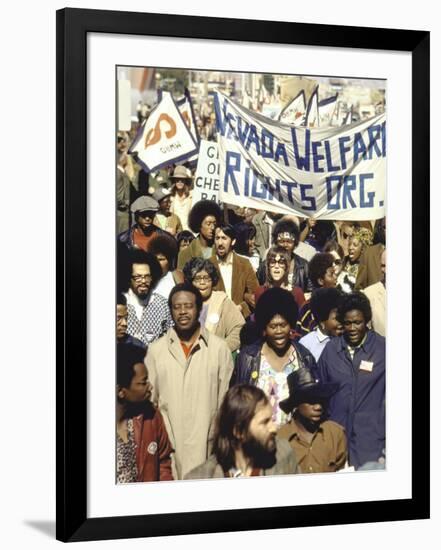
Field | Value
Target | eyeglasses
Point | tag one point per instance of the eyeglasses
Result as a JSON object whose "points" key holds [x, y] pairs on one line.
{"points": [[272, 263], [139, 278], [202, 279]]}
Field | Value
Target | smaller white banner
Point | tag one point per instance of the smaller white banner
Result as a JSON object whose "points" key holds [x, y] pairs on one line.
{"points": [[327, 109], [206, 181], [294, 112]]}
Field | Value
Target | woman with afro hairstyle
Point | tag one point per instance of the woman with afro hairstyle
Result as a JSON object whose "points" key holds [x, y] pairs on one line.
{"points": [[267, 362], [204, 217]]}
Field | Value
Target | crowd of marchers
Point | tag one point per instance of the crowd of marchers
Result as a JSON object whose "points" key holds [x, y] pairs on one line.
{"points": [[248, 342]]}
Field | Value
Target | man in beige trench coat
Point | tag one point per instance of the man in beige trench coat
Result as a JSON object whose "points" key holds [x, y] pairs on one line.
{"points": [[190, 370]]}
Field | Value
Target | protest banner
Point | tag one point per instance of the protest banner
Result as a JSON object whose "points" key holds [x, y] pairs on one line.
{"points": [[312, 117], [272, 110], [325, 173], [294, 112], [185, 106], [327, 108], [206, 181], [164, 138]]}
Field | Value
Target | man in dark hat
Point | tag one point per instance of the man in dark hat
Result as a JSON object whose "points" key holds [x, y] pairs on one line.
{"points": [[164, 218], [319, 446], [143, 230], [245, 442]]}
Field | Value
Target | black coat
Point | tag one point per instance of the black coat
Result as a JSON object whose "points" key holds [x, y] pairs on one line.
{"points": [[248, 361]]}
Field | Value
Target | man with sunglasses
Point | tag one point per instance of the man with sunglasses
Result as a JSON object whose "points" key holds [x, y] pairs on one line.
{"points": [[148, 314]]}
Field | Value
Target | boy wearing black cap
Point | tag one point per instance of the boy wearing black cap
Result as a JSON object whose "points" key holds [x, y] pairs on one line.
{"points": [[319, 446]]}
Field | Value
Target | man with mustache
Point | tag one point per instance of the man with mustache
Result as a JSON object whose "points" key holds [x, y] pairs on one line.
{"points": [[245, 442], [148, 314], [190, 369], [237, 277]]}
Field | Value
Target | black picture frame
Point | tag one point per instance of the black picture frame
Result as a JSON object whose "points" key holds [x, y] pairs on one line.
{"points": [[73, 25]]}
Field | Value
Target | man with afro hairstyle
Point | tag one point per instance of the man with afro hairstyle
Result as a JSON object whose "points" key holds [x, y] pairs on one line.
{"points": [[203, 219]]}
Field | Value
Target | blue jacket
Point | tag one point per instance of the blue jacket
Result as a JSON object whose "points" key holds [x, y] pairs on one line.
{"points": [[248, 361], [359, 404]]}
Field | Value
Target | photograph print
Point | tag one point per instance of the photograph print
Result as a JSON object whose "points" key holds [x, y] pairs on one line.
{"points": [[251, 274]]}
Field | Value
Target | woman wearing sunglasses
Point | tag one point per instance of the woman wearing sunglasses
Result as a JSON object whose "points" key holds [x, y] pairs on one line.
{"points": [[276, 269]]}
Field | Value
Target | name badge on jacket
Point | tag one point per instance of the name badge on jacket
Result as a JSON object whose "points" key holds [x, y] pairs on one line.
{"points": [[367, 366]]}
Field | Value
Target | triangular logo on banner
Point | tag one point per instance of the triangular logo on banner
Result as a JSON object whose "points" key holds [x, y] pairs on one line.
{"points": [[164, 138], [294, 112]]}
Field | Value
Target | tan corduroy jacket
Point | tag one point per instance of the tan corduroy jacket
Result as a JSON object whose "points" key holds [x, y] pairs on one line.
{"points": [[189, 392]]}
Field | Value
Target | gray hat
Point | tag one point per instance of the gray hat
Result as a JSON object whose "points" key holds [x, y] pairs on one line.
{"points": [[180, 172], [144, 203], [160, 194]]}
